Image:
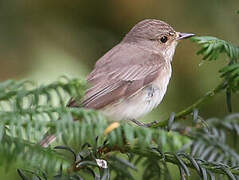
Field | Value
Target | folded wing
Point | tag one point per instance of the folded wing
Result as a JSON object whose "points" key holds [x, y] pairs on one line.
{"points": [[118, 74]]}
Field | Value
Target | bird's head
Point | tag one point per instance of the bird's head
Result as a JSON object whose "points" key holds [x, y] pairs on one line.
{"points": [[156, 35]]}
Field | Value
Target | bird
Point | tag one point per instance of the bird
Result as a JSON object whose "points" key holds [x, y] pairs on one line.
{"points": [[131, 79]]}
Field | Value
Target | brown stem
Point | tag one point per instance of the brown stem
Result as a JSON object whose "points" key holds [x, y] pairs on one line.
{"points": [[194, 106]]}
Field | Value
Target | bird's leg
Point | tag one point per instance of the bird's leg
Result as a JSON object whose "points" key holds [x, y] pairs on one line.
{"points": [[151, 124], [143, 124]]}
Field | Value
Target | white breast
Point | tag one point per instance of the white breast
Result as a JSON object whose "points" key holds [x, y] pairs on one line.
{"points": [[141, 102]]}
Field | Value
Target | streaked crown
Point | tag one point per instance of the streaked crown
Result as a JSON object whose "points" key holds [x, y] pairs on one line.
{"points": [[151, 29]]}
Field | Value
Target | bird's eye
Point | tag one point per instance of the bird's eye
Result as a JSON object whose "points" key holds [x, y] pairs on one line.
{"points": [[164, 39]]}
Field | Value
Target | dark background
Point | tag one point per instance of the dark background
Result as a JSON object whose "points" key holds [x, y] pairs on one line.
{"points": [[42, 40]]}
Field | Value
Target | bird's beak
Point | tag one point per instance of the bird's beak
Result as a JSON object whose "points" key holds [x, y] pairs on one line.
{"points": [[184, 35]]}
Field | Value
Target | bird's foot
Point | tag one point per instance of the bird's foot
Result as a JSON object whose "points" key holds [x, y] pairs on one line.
{"points": [[143, 124], [151, 124]]}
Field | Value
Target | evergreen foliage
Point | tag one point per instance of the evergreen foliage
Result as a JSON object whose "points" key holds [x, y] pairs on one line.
{"points": [[90, 147]]}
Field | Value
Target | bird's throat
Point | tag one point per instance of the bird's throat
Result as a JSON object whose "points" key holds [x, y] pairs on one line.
{"points": [[169, 52]]}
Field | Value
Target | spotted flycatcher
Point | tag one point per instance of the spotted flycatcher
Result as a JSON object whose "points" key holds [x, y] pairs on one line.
{"points": [[132, 78]]}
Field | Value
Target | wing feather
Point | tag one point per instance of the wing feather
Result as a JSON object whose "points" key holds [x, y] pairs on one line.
{"points": [[121, 77]]}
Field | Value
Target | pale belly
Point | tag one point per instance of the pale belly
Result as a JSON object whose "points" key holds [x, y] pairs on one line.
{"points": [[140, 103]]}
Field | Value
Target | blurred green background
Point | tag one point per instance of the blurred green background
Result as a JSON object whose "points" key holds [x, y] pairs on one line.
{"points": [[42, 40]]}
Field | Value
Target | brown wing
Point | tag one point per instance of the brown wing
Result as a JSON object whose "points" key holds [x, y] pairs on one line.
{"points": [[120, 73]]}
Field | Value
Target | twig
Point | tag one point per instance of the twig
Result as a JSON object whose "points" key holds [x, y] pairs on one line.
{"points": [[170, 157], [195, 105]]}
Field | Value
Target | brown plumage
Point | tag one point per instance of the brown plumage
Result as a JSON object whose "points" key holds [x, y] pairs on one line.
{"points": [[140, 60]]}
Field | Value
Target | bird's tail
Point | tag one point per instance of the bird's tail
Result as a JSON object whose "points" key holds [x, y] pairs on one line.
{"points": [[47, 140]]}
